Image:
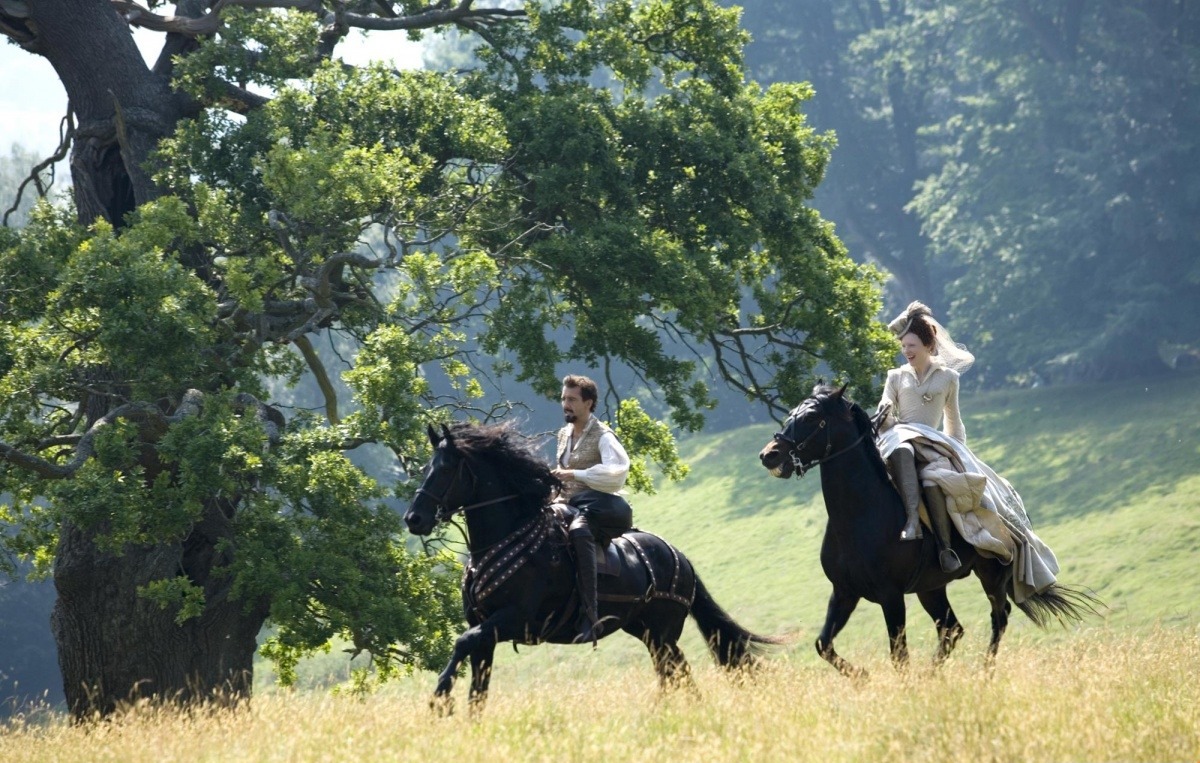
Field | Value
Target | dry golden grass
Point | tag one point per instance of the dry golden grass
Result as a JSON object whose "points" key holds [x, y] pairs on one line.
{"points": [[1093, 696]]}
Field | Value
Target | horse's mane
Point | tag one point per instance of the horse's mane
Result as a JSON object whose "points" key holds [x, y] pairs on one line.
{"points": [[825, 393], [511, 454]]}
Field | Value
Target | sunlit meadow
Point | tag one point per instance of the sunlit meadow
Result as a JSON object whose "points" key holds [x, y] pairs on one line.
{"points": [[1113, 490], [1098, 695]]}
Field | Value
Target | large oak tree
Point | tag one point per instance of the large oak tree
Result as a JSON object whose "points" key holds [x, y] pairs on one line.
{"points": [[250, 192]]}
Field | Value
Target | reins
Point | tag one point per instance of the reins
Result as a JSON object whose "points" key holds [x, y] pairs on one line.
{"points": [[802, 468], [444, 514]]}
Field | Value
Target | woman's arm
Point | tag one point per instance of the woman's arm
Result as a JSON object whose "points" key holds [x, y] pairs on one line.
{"points": [[954, 424], [889, 404]]}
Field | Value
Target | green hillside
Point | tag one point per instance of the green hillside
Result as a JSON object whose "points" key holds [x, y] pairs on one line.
{"points": [[1110, 474]]}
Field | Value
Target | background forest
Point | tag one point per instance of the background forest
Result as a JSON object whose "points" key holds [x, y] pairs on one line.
{"points": [[1027, 167], [1024, 167]]}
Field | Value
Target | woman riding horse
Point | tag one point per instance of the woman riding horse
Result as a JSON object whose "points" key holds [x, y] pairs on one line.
{"points": [[961, 492], [862, 554]]}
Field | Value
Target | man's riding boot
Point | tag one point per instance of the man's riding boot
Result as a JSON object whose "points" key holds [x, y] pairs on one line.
{"points": [[904, 472], [584, 542], [939, 517]]}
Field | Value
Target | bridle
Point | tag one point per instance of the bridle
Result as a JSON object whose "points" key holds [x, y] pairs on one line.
{"points": [[799, 466], [444, 512]]}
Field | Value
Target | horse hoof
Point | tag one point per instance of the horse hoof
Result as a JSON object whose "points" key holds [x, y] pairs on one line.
{"points": [[442, 705]]}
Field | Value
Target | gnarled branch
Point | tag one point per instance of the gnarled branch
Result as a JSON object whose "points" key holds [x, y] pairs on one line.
{"points": [[433, 16], [153, 424]]}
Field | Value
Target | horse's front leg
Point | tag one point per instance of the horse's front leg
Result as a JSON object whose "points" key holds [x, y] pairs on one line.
{"points": [[841, 606], [949, 629], [480, 640], [895, 615], [481, 675]]}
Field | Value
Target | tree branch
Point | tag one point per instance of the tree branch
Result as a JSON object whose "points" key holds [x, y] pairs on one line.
{"points": [[319, 373], [15, 24], [434, 16], [153, 424], [66, 135]]}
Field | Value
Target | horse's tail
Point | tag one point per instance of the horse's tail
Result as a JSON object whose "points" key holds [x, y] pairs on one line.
{"points": [[1062, 603], [732, 645]]}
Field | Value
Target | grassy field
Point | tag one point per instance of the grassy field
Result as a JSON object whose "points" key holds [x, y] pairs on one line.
{"points": [[1130, 697], [1111, 478]]}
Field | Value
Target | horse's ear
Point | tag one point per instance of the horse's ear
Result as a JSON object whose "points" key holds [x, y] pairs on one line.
{"points": [[434, 439], [449, 438], [841, 392]]}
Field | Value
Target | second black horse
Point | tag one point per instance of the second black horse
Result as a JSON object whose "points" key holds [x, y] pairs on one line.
{"points": [[862, 555]]}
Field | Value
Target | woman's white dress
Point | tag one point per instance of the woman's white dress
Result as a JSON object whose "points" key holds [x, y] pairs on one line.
{"points": [[983, 506]]}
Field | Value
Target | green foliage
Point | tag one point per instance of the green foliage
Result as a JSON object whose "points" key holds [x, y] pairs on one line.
{"points": [[647, 441], [998, 156], [413, 219], [177, 593], [1065, 175]]}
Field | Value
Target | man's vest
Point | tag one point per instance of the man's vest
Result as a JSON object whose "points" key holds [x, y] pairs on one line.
{"points": [[585, 454]]}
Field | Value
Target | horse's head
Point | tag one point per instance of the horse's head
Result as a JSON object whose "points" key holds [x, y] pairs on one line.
{"points": [[807, 435], [490, 471], [449, 483]]}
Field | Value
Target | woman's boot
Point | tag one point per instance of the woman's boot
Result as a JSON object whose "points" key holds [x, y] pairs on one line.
{"points": [[904, 472], [939, 517]]}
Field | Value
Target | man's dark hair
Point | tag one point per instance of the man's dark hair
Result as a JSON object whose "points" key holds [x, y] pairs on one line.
{"points": [[587, 388]]}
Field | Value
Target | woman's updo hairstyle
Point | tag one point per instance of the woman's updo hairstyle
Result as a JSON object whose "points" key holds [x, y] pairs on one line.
{"points": [[917, 319]]}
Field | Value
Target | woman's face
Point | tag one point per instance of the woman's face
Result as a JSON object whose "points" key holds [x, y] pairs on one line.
{"points": [[916, 353]]}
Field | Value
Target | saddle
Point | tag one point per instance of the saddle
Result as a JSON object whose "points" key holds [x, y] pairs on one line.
{"points": [[608, 560]]}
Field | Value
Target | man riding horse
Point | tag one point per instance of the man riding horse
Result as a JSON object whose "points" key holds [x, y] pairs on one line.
{"points": [[592, 466]]}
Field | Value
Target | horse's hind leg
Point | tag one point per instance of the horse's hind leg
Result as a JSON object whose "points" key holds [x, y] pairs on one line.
{"points": [[841, 606], [672, 667], [948, 628], [662, 641], [995, 578]]}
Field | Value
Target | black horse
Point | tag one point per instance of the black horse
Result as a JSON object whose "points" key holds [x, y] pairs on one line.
{"points": [[519, 582], [862, 553]]}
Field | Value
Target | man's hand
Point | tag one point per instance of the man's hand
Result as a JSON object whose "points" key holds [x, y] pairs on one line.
{"points": [[563, 474]]}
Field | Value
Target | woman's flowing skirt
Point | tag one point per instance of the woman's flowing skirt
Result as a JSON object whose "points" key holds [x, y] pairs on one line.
{"points": [[984, 508]]}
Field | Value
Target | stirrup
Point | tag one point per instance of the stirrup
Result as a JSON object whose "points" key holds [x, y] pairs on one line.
{"points": [[593, 631], [949, 560]]}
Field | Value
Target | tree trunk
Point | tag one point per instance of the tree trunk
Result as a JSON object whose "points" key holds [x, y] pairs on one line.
{"points": [[122, 108], [116, 646]]}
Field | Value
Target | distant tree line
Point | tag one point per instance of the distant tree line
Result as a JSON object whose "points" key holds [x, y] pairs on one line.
{"points": [[1027, 167]]}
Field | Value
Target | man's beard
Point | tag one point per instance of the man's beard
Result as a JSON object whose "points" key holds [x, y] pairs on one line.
{"points": [[569, 417]]}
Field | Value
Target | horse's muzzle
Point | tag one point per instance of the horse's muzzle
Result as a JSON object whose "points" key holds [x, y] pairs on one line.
{"points": [[417, 524], [775, 460]]}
